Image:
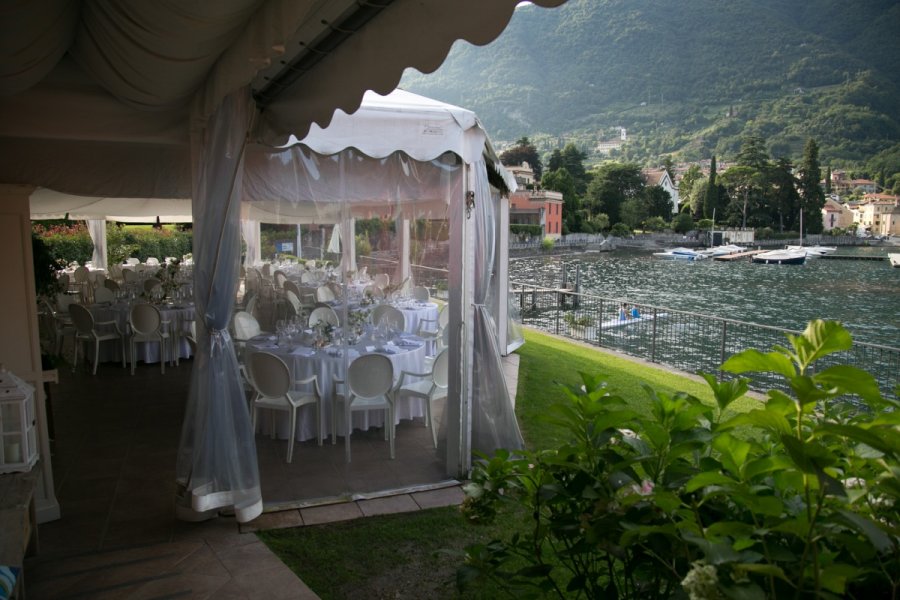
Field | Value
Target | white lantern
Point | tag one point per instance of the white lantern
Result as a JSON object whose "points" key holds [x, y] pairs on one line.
{"points": [[18, 437]]}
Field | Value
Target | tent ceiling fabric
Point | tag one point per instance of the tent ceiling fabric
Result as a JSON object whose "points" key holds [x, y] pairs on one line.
{"points": [[97, 98]]}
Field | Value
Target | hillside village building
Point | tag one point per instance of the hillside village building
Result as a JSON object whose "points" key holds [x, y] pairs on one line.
{"points": [[878, 214], [534, 206]]}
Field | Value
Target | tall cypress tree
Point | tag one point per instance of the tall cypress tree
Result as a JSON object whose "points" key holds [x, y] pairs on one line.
{"points": [[828, 180], [812, 198], [712, 191]]}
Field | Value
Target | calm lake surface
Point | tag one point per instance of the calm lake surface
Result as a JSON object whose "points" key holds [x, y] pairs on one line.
{"points": [[863, 295]]}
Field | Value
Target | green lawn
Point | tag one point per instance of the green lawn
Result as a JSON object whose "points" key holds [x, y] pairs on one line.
{"points": [[412, 555]]}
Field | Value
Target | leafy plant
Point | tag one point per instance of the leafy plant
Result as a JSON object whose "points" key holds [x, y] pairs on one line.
{"points": [[547, 243], [795, 498]]}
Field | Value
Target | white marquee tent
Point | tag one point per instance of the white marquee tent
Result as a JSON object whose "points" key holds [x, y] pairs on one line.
{"points": [[133, 99]]}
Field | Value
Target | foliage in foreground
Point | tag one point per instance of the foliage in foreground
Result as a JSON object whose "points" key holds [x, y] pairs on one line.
{"points": [[796, 498]]}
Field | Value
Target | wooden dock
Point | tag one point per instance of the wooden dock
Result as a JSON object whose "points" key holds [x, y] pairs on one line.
{"points": [[739, 255], [851, 257]]}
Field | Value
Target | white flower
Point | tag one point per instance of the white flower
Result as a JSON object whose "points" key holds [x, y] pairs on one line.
{"points": [[702, 582]]}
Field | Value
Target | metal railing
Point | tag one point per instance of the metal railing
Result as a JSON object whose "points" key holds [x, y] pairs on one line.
{"points": [[686, 341]]}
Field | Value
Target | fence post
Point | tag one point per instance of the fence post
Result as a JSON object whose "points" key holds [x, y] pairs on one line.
{"points": [[557, 315], [600, 325], [724, 338], [653, 339]]}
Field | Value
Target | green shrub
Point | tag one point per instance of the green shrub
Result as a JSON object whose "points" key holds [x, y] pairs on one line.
{"points": [[682, 223], [66, 242], [655, 224], [521, 230], [764, 233], [797, 498], [547, 243], [620, 230], [705, 224], [363, 246]]}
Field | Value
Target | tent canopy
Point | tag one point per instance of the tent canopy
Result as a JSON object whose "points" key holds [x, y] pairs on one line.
{"points": [[420, 128], [99, 98]]}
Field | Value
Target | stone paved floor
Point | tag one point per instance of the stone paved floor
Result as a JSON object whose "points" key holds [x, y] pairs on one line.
{"points": [[114, 448]]}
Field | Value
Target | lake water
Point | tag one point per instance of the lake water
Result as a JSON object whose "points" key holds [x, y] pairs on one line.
{"points": [[863, 295]]}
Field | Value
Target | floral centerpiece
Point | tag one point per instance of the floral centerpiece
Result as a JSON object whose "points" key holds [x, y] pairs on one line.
{"points": [[324, 334], [357, 325], [168, 277]]}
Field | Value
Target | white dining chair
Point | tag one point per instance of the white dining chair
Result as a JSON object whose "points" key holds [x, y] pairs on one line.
{"points": [[131, 260], [245, 326], [272, 382], [147, 325], [324, 294], [385, 313], [293, 301], [86, 332], [150, 283], [428, 386], [323, 313], [112, 285], [369, 386], [104, 294], [421, 293], [279, 278], [60, 325], [374, 292], [152, 261]]}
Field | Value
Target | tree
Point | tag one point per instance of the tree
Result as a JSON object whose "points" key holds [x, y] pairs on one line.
{"points": [[613, 183], [523, 151], [744, 185], [555, 161], [573, 162], [634, 212], [686, 185], [659, 202], [669, 166], [784, 199], [753, 153], [812, 198], [828, 181]]}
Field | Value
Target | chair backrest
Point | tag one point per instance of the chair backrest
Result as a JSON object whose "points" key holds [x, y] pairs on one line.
{"points": [[323, 313], [133, 261], [382, 280], [152, 261], [307, 277], [82, 318], [294, 300], [280, 278], [290, 286], [310, 264], [251, 304], [371, 375], [150, 283], [63, 301], [104, 294], [81, 274], [440, 371], [421, 293], [393, 316], [444, 317], [267, 270], [112, 285], [63, 281], [269, 374], [129, 275], [324, 294], [145, 318], [245, 326]]}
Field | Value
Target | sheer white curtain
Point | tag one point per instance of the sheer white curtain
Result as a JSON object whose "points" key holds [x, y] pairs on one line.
{"points": [[250, 233], [217, 465], [97, 229], [494, 422]]}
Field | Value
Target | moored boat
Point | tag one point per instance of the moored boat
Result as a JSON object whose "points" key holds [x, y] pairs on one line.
{"points": [[680, 254], [814, 251], [895, 259], [723, 250], [781, 257]]}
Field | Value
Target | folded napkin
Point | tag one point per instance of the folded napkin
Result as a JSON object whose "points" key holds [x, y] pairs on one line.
{"points": [[303, 351]]}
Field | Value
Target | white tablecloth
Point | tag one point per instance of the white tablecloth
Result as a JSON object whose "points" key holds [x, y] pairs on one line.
{"points": [[413, 312], [326, 364], [148, 352]]}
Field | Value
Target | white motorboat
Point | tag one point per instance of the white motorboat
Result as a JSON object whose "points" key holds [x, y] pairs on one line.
{"points": [[780, 257], [680, 254], [723, 250], [814, 251], [895, 259]]}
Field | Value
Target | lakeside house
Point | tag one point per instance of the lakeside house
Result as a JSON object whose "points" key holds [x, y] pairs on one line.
{"points": [[878, 214], [661, 178], [530, 206], [836, 214]]}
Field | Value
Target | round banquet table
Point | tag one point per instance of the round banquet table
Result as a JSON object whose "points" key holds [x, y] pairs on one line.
{"points": [[178, 316], [413, 312], [405, 354]]}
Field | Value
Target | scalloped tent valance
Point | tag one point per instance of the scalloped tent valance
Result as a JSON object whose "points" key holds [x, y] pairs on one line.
{"points": [[97, 98]]}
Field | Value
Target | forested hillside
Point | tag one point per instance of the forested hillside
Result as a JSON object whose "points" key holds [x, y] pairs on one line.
{"points": [[687, 79]]}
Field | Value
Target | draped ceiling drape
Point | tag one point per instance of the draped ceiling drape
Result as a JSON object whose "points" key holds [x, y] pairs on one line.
{"points": [[97, 229]]}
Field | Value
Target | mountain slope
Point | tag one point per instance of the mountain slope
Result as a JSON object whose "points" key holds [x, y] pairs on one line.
{"points": [[687, 78]]}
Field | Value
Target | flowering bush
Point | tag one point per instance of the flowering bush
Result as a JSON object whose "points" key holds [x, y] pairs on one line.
{"points": [[66, 242], [796, 498]]}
